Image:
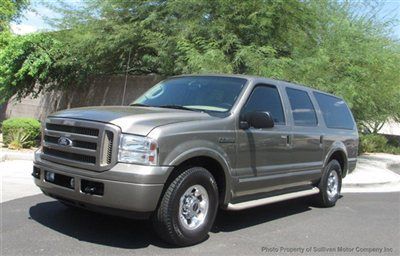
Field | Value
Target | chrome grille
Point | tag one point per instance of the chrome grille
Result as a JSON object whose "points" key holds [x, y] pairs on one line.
{"points": [[72, 129], [90, 144], [69, 155], [75, 143], [108, 143]]}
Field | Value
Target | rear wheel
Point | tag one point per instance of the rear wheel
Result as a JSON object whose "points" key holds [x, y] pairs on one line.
{"points": [[330, 184], [188, 208]]}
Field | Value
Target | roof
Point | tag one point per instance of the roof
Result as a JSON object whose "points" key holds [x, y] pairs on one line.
{"points": [[264, 80]]}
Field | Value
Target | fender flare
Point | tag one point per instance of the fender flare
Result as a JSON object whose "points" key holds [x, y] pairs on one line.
{"points": [[215, 155], [341, 148]]}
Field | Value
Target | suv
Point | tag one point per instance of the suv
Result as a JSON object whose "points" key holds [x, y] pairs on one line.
{"points": [[193, 144]]}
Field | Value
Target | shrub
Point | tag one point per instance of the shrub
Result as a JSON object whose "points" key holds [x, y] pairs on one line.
{"points": [[392, 150], [23, 131], [19, 139], [372, 143]]}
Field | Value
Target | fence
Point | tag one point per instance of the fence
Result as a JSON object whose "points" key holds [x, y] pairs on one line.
{"points": [[100, 91]]}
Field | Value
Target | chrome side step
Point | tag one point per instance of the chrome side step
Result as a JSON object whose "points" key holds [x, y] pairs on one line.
{"points": [[270, 200]]}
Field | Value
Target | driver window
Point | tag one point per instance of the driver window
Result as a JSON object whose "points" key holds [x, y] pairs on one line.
{"points": [[266, 99]]}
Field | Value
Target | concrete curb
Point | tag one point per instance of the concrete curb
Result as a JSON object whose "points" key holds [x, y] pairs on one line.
{"points": [[370, 184], [9, 155], [374, 172]]}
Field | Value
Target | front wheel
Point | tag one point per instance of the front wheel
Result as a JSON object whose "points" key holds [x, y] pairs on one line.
{"points": [[188, 208], [330, 184]]}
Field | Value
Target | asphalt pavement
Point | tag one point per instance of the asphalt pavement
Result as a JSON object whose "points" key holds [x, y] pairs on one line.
{"points": [[360, 224]]}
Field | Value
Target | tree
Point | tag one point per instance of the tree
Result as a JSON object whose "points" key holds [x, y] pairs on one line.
{"points": [[355, 59], [10, 10], [326, 44], [32, 63]]}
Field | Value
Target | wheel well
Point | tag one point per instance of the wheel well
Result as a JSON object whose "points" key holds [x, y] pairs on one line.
{"points": [[212, 165], [341, 158]]}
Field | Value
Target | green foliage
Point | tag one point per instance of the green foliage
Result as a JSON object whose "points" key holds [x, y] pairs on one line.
{"points": [[326, 44], [18, 140], [392, 150], [10, 10], [370, 143], [21, 132], [32, 63]]}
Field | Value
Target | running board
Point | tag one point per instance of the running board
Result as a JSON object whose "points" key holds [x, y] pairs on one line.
{"points": [[272, 199]]}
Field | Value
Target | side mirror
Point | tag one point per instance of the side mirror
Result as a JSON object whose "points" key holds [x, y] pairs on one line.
{"points": [[257, 120]]}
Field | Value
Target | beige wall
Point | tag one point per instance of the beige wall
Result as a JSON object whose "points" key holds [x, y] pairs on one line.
{"points": [[102, 90]]}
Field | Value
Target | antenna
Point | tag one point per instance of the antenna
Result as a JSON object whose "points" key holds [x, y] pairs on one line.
{"points": [[126, 77]]}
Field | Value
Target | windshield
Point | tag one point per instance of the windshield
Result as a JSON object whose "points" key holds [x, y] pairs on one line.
{"points": [[202, 93]]}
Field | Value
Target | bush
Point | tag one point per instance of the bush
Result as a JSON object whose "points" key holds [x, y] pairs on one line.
{"points": [[372, 143], [22, 132], [392, 150], [19, 139]]}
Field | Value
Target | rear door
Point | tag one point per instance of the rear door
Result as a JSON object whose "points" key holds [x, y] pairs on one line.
{"points": [[307, 141]]}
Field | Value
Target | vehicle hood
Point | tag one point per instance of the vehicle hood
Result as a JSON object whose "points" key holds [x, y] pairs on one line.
{"points": [[135, 120]]}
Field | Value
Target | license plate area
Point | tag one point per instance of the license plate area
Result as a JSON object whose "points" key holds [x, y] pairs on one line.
{"points": [[59, 179]]}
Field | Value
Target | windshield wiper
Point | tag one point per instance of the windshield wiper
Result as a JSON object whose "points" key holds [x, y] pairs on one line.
{"points": [[139, 105], [177, 107]]}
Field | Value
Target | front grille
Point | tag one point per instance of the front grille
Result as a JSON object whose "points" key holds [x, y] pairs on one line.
{"points": [[84, 144], [69, 155], [73, 129], [75, 143], [108, 144], [90, 145]]}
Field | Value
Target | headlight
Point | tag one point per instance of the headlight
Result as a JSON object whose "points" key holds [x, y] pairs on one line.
{"points": [[137, 149]]}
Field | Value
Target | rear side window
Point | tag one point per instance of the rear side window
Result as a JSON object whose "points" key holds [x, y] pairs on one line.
{"points": [[335, 111], [266, 99], [302, 108]]}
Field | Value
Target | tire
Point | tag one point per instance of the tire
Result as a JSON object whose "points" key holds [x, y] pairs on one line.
{"points": [[330, 184], [183, 216]]}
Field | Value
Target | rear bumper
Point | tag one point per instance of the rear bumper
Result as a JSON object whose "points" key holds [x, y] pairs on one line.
{"points": [[127, 187]]}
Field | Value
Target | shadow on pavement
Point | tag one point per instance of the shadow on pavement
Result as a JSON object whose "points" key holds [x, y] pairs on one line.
{"points": [[230, 221], [129, 234], [95, 228]]}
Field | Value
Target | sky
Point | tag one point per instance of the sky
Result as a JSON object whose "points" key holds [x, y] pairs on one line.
{"points": [[33, 19]]}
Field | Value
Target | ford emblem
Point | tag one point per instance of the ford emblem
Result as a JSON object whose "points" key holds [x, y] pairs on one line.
{"points": [[63, 141]]}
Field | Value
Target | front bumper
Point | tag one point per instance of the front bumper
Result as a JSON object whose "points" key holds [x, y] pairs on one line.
{"points": [[127, 187]]}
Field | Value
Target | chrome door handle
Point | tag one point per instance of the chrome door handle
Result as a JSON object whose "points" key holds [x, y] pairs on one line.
{"points": [[287, 137]]}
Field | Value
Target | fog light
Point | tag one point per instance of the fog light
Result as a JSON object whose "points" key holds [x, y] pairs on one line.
{"points": [[36, 172], [50, 176]]}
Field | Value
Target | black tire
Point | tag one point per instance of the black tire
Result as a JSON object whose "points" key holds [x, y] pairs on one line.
{"points": [[325, 198], [167, 221]]}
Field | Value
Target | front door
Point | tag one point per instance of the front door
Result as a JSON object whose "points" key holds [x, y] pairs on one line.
{"points": [[263, 155]]}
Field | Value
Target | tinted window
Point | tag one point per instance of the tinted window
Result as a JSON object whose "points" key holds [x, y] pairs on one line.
{"points": [[335, 111], [266, 99], [302, 108], [203, 93]]}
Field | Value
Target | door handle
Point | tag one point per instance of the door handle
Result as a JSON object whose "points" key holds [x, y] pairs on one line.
{"points": [[321, 140], [287, 137]]}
